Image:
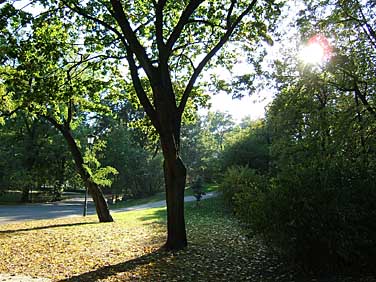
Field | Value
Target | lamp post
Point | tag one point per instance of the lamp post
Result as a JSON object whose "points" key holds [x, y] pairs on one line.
{"points": [[90, 141]]}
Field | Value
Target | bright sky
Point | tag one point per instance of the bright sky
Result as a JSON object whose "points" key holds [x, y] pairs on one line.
{"points": [[254, 106]]}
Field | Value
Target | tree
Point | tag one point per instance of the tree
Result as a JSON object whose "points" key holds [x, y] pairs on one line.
{"points": [[322, 152], [170, 42], [40, 78], [202, 141], [133, 162], [33, 157], [248, 145]]}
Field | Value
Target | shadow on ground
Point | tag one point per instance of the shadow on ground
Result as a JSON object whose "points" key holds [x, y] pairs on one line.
{"points": [[158, 216], [45, 227], [125, 268]]}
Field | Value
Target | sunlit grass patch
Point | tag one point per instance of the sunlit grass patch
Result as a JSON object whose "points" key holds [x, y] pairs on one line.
{"points": [[80, 249], [61, 248]]}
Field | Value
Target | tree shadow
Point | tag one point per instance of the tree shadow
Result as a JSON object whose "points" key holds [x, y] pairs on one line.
{"points": [[110, 270], [46, 227], [158, 216]]}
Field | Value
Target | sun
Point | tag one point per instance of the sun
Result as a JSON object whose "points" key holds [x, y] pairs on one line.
{"points": [[312, 54], [316, 52]]}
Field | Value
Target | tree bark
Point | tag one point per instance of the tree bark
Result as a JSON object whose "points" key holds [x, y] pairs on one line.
{"points": [[95, 191], [100, 202], [175, 177]]}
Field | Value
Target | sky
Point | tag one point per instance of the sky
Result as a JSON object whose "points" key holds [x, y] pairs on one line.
{"points": [[248, 106], [254, 106]]}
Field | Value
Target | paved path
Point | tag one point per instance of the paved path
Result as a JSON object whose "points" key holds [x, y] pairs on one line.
{"points": [[25, 212], [66, 208]]}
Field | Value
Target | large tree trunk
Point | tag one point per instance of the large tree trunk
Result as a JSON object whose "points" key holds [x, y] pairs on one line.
{"points": [[175, 177]]}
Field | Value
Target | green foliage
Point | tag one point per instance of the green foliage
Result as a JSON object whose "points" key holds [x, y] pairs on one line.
{"points": [[140, 172], [239, 182], [202, 142], [323, 216], [320, 207], [323, 222], [317, 205], [248, 145], [33, 156]]}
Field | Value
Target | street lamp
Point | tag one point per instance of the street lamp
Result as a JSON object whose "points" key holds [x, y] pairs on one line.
{"points": [[90, 141]]}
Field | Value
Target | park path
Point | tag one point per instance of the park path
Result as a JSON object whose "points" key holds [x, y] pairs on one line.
{"points": [[66, 208]]}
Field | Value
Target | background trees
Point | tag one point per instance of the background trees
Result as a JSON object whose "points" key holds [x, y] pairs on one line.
{"points": [[33, 158]]}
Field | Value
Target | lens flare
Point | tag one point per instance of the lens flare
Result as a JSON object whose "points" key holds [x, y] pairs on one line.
{"points": [[316, 51]]}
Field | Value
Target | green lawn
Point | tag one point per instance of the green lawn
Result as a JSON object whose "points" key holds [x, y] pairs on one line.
{"points": [[158, 197], [81, 249]]}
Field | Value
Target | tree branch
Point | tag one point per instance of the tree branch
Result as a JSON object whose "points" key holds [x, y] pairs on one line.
{"points": [[206, 23], [82, 13], [364, 100], [10, 113], [186, 14], [159, 26], [228, 19], [141, 94], [132, 40], [210, 55]]}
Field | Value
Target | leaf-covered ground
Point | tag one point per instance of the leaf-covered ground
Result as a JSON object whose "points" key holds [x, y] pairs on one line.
{"points": [[80, 249]]}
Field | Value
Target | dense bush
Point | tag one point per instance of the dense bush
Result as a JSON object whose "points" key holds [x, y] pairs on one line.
{"points": [[241, 188], [320, 218], [248, 146]]}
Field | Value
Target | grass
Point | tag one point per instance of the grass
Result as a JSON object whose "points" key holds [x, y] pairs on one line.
{"points": [[81, 249], [159, 197], [134, 202]]}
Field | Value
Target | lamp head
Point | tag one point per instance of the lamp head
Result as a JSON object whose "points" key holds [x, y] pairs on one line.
{"points": [[90, 139]]}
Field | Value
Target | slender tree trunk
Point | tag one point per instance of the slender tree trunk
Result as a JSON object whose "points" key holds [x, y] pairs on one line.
{"points": [[95, 191], [100, 202]]}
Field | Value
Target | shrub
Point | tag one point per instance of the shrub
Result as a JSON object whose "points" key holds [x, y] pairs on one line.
{"points": [[241, 187], [320, 218], [323, 219]]}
